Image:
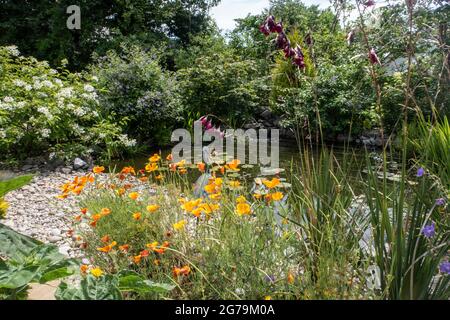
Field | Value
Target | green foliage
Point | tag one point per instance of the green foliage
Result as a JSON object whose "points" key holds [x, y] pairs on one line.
{"points": [[223, 84], [14, 183], [39, 27], [28, 261], [431, 143], [110, 287], [43, 108], [136, 90]]}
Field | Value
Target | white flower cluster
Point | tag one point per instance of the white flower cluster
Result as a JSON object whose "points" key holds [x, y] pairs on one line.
{"points": [[127, 142], [46, 112]]}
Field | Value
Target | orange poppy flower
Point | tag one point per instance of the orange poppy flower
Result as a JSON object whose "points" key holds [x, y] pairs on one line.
{"points": [[137, 216], [107, 248], [105, 211], [121, 191], [169, 157], [143, 179], [84, 210], [137, 259], [154, 158], [84, 268], [77, 218], [124, 247], [98, 169], [181, 271], [210, 188], [144, 253], [290, 278], [233, 165], [201, 166], [105, 239], [128, 170], [133, 195]]}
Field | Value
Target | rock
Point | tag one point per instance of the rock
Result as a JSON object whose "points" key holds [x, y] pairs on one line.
{"points": [[27, 167], [66, 170], [79, 164], [266, 114], [54, 239], [55, 232]]}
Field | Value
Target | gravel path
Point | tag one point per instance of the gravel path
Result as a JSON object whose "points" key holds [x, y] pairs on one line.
{"points": [[35, 211]]}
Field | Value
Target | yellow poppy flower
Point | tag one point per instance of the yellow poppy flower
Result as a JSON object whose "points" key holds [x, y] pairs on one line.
{"points": [[243, 209], [179, 225], [98, 169], [271, 183], [97, 272], [241, 199], [151, 167], [276, 196], [234, 183], [152, 208], [137, 215], [154, 158]]}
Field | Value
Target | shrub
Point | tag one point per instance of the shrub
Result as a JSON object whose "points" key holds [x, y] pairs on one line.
{"points": [[135, 89], [223, 84], [43, 108]]}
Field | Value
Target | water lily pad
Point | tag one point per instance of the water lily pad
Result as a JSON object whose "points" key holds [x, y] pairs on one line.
{"points": [[271, 171]]}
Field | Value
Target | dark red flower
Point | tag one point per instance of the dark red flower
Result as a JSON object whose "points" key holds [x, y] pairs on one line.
{"points": [[282, 41], [263, 28], [299, 59], [288, 51], [271, 24], [279, 27], [373, 57], [369, 3]]}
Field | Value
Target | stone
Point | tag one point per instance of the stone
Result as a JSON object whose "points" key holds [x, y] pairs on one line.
{"points": [[79, 164], [54, 239]]}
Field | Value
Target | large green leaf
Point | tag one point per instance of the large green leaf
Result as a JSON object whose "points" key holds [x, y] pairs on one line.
{"points": [[14, 244], [91, 288], [131, 281]]}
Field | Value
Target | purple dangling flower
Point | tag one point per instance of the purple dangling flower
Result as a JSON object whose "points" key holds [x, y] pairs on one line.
{"points": [[350, 37], [288, 51], [444, 267], [271, 24], [440, 202], [373, 57], [369, 3], [429, 230], [279, 27], [203, 120], [263, 28], [299, 59], [282, 41]]}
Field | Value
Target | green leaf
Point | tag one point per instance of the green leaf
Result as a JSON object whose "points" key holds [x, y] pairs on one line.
{"points": [[14, 244], [131, 281], [91, 288]]}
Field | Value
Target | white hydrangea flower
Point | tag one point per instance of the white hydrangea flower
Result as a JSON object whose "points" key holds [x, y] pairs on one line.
{"points": [[127, 142], [45, 133], [13, 51], [45, 112], [21, 104], [19, 83], [47, 84], [65, 92], [8, 99], [59, 82], [37, 84], [28, 87], [88, 88], [78, 111]]}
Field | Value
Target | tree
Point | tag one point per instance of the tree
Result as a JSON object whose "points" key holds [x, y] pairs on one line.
{"points": [[38, 27]]}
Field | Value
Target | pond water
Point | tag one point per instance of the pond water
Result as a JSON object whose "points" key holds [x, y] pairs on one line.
{"points": [[353, 158]]}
